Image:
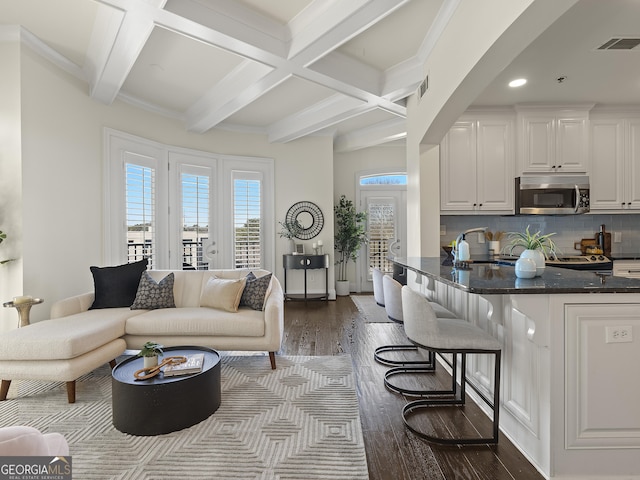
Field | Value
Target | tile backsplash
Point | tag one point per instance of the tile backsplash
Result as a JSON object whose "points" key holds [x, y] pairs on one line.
{"points": [[568, 228]]}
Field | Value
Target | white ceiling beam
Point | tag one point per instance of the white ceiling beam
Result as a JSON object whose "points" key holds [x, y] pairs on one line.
{"points": [[319, 116], [350, 71], [236, 21], [130, 30], [239, 88], [201, 120], [314, 34], [378, 134]]}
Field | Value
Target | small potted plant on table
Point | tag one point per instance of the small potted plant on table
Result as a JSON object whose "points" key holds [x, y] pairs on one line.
{"points": [[150, 352]]}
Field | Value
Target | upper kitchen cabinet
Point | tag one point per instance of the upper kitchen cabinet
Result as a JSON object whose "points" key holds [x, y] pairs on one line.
{"points": [[553, 140], [615, 162], [476, 166]]}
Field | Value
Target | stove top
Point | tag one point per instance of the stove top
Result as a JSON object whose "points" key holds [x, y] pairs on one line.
{"points": [[579, 259], [582, 262]]}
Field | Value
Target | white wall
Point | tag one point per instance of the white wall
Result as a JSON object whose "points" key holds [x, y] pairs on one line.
{"points": [[63, 176], [10, 180]]}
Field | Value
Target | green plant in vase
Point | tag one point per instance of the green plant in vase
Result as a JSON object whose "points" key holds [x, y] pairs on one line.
{"points": [[536, 246], [150, 352]]}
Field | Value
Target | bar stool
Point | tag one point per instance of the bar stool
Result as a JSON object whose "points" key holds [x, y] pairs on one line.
{"points": [[458, 337], [378, 290], [392, 292]]}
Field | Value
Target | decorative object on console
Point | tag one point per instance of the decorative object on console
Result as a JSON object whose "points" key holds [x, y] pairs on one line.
{"points": [[289, 231], [536, 246], [117, 286], [308, 217], [152, 294], [350, 235], [150, 352]]}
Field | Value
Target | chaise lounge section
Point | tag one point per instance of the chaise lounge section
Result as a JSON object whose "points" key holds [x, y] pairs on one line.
{"points": [[210, 310]]}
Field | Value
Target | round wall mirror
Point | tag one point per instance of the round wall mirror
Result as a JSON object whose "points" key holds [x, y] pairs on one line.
{"points": [[309, 216]]}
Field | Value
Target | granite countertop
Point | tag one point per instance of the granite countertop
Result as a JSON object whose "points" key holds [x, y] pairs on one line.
{"points": [[499, 278]]}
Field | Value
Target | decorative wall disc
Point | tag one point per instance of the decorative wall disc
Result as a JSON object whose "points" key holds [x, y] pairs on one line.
{"points": [[309, 216]]}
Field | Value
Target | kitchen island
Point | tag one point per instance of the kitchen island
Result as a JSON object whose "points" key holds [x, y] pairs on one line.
{"points": [[569, 383]]}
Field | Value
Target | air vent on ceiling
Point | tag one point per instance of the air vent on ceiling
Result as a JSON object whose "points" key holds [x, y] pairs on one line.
{"points": [[620, 44], [424, 86]]}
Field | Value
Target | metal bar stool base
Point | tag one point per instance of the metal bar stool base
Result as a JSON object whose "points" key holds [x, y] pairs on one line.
{"points": [[413, 407], [457, 400], [377, 355], [430, 369]]}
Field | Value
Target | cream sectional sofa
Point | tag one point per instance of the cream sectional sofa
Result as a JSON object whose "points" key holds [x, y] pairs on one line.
{"points": [[78, 339]]}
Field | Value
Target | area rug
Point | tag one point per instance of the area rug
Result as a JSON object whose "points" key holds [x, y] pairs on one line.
{"points": [[300, 421], [370, 310]]}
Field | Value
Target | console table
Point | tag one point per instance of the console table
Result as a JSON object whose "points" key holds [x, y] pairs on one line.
{"points": [[306, 262]]}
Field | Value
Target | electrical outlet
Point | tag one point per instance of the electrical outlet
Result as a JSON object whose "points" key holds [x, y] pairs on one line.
{"points": [[480, 237], [617, 237], [620, 334], [443, 230]]}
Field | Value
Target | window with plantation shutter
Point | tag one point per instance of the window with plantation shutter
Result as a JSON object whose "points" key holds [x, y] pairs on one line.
{"points": [[195, 219], [247, 220], [184, 208], [140, 212], [382, 230]]}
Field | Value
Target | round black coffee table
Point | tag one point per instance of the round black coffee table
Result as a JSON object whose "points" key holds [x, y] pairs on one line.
{"points": [[162, 405]]}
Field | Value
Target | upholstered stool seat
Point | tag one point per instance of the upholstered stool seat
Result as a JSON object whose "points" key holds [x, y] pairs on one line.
{"points": [[458, 337], [378, 289], [392, 294]]}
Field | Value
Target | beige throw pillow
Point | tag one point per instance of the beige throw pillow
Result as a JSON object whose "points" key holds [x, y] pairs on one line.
{"points": [[222, 293]]}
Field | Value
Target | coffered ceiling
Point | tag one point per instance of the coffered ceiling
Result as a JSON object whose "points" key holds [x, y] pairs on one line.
{"points": [[291, 68]]}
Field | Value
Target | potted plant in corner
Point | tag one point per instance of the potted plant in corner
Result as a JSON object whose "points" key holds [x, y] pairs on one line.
{"points": [[537, 247], [150, 352], [350, 235]]}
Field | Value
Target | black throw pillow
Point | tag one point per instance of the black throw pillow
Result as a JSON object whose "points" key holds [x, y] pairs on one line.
{"points": [[117, 286]]}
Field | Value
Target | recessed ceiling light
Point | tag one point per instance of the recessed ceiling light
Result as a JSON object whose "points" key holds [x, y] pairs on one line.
{"points": [[518, 82]]}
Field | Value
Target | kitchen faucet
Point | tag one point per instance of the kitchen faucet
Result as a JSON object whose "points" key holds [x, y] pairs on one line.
{"points": [[456, 250]]}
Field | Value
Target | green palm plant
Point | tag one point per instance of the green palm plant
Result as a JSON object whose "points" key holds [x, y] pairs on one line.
{"points": [[529, 241]]}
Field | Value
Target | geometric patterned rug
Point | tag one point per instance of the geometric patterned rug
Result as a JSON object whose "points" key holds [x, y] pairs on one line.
{"points": [[300, 421]]}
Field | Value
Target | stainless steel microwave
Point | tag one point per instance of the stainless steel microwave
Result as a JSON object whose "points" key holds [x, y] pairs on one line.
{"points": [[552, 195]]}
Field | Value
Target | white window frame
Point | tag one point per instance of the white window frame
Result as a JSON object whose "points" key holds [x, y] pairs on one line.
{"points": [[163, 157]]}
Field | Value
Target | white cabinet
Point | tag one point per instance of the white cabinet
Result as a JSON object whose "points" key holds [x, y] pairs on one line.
{"points": [[476, 166], [615, 163], [626, 268], [552, 140]]}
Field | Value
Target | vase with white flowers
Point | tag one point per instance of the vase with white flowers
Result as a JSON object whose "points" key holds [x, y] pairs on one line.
{"points": [[537, 247]]}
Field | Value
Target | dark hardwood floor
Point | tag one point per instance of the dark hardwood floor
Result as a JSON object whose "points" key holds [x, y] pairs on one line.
{"points": [[394, 453]]}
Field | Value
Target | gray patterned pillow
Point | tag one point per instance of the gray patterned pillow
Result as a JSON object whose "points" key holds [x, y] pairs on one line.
{"points": [[152, 294], [255, 290]]}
